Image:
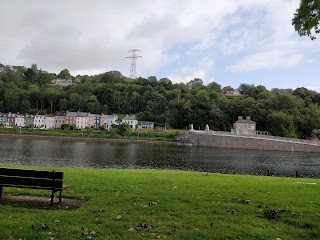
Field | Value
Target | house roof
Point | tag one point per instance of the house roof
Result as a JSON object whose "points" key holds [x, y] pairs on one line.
{"points": [[76, 114], [145, 123], [246, 121], [129, 118], [109, 116], [61, 113], [71, 114], [82, 114]]}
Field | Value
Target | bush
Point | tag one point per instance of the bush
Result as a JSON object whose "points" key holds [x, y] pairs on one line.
{"points": [[67, 127]]}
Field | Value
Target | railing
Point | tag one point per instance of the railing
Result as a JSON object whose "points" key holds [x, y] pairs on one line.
{"points": [[293, 140]]}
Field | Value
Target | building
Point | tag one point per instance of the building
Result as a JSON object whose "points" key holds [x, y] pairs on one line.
{"points": [[39, 121], [29, 120], [131, 121], [3, 119], [231, 92], [145, 125], [62, 82], [96, 120], [90, 122], [49, 122], [108, 120], [245, 126], [60, 118], [11, 120], [82, 120], [19, 120], [71, 118]]}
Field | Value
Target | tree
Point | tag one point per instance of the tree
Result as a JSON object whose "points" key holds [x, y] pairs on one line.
{"points": [[30, 75], [112, 77], [25, 106], [64, 74], [51, 96], [63, 104], [307, 17], [75, 102], [11, 97], [124, 130], [281, 124]]}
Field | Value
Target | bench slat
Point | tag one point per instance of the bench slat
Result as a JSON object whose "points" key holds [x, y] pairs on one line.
{"points": [[32, 182], [30, 173]]}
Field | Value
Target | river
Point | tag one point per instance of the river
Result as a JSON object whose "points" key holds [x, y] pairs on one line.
{"points": [[100, 154]]}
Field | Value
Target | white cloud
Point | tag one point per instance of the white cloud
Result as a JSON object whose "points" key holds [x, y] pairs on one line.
{"points": [[266, 60], [187, 74], [93, 37]]}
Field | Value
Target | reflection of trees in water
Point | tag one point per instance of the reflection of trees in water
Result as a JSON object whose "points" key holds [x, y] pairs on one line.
{"points": [[64, 153]]}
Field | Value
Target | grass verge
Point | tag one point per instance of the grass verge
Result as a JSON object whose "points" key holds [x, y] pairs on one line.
{"points": [[157, 204], [145, 134]]}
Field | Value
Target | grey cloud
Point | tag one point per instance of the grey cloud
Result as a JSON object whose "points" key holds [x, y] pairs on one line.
{"points": [[64, 46]]}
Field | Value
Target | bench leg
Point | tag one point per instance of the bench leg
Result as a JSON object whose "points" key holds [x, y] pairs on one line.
{"points": [[1, 190], [60, 196], [52, 196]]}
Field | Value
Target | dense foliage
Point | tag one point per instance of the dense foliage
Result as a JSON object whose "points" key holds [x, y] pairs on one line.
{"points": [[307, 17], [282, 112]]}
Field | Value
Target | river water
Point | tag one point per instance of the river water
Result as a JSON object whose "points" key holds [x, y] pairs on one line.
{"points": [[99, 154]]}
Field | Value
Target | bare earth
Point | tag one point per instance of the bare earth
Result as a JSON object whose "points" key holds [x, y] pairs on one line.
{"points": [[40, 202]]}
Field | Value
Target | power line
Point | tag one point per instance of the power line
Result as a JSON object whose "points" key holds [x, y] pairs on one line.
{"points": [[133, 56]]}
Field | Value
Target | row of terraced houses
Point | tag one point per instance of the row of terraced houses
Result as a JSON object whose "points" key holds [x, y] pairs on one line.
{"points": [[80, 120]]}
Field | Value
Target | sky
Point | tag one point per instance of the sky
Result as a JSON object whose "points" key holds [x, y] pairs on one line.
{"points": [[229, 42]]}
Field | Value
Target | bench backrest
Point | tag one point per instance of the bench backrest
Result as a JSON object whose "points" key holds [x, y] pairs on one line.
{"points": [[31, 178]]}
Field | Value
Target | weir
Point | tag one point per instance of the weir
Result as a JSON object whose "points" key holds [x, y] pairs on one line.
{"points": [[219, 139]]}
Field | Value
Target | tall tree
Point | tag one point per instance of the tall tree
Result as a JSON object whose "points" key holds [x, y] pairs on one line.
{"points": [[64, 74]]}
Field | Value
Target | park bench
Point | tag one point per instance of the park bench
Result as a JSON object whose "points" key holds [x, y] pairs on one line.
{"points": [[35, 179]]}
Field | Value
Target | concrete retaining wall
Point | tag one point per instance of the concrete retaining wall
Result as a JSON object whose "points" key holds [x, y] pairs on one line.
{"points": [[245, 142]]}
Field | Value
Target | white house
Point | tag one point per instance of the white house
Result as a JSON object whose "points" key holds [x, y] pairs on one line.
{"points": [[82, 120], [19, 120], [62, 82], [39, 121], [49, 122], [131, 121], [145, 125]]}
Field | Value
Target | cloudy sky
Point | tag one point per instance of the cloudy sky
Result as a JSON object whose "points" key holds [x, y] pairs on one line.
{"points": [[229, 42]]}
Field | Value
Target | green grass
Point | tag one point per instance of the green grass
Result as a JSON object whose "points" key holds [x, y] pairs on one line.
{"points": [[177, 204], [97, 133]]}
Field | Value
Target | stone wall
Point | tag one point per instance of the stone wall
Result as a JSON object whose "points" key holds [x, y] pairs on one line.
{"points": [[245, 142]]}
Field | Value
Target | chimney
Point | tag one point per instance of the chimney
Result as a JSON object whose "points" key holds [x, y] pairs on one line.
{"points": [[248, 117], [240, 118]]}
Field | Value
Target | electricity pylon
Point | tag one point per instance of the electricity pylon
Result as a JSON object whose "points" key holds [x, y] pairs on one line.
{"points": [[133, 56]]}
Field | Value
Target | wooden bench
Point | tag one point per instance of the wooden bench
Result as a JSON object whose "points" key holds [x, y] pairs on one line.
{"points": [[35, 179]]}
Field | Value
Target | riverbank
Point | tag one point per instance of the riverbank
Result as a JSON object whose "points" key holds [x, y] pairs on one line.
{"points": [[93, 135], [154, 204]]}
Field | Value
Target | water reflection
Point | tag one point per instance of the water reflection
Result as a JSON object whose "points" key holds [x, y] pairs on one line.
{"points": [[68, 153]]}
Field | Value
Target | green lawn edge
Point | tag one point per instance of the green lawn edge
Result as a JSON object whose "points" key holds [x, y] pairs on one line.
{"points": [[94, 134], [169, 204]]}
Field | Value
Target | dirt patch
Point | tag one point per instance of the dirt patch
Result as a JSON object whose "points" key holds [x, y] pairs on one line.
{"points": [[273, 214], [40, 202]]}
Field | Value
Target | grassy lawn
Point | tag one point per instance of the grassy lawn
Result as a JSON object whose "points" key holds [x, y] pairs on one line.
{"points": [[144, 134], [154, 204]]}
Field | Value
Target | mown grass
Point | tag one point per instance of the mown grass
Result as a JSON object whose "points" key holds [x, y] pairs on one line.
{"points": [[157, 204], [144, 134]]}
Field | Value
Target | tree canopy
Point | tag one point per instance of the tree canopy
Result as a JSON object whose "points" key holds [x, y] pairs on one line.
{"points": [[307, 17], [282, 112]]}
